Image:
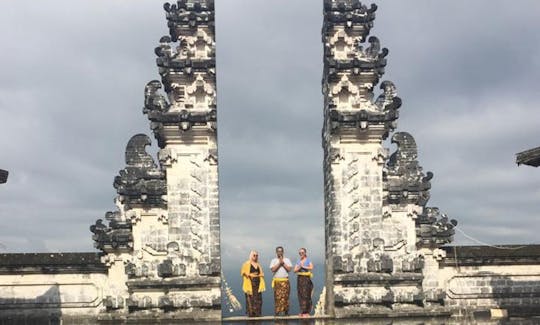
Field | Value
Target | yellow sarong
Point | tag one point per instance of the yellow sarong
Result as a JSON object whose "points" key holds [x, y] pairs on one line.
{"points": [[274, 280], [310, 274]]}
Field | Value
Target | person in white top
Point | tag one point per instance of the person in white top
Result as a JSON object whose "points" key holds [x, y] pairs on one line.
{"points": [[281, 266]]}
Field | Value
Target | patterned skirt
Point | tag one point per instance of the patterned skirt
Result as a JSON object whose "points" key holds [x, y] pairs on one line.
{"points": [[282, 290], [254, 301], [305, 290]]}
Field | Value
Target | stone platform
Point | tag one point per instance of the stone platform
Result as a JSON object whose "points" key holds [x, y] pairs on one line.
{"points": [[272, 318]]}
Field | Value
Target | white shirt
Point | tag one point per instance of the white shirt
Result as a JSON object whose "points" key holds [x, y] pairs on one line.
{"points": [[281, 272]]}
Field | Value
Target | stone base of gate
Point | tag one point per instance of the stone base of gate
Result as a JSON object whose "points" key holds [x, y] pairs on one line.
{"points": [[187, 316]]}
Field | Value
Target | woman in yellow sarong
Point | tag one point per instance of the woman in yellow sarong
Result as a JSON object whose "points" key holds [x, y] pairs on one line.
{"points": [[253, 284]]}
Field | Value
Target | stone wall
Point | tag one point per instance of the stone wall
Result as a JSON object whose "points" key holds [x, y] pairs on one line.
{"points": [[479, 278], [44, 288]]}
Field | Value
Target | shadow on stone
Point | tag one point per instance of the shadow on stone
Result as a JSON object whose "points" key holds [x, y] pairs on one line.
{"points": [[41, 310], [519, 295]]}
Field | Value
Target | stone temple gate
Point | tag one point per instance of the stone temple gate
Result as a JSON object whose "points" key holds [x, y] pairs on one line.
{"points": [[379, 230], [386, 252]]}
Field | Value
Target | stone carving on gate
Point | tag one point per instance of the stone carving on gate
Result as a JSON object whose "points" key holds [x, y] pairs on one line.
{"points": [[373, 52], [153, 99]]}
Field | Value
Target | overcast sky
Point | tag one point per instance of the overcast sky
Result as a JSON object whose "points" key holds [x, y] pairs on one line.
{"points": [[71, 94]]}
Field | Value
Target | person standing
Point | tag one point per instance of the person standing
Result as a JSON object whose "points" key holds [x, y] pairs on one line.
{"points": [[304, 271], [281, 266], [253, 284]]}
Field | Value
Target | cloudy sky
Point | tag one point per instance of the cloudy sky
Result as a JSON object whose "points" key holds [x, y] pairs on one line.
{"points": [[71, 92]]}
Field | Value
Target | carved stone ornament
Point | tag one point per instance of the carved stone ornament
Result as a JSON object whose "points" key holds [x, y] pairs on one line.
{"points": [[141, 182], [405, 181], [154, 101], [434, 229], [200, 94]]}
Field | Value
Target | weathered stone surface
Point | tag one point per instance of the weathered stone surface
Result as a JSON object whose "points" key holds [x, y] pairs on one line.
{"points": [[498, 256], [141, 182], [187, 65], [51, 263], [165, 234], [360, 239], [434, 229], [472, 279], [36, 288], [117, 236], [376, 216], [405, 182]]}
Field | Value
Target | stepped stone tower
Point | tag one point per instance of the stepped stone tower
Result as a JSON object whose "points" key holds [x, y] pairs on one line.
{"points": [[378, 228], [162, 245]]}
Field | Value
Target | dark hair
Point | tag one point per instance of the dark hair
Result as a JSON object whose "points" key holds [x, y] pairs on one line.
{"points": [[305, 250], [277, 248]]}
